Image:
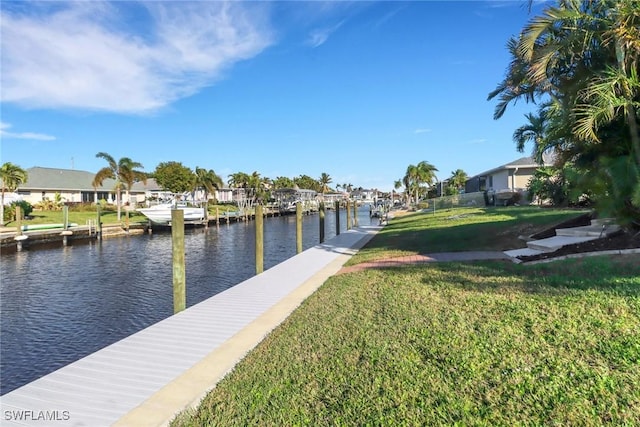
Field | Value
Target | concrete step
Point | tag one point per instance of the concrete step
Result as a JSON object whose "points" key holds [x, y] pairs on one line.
{"points": [[514, 253], [554, 243], [588, 231]]}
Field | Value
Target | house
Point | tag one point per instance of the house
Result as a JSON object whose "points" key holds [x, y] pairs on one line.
{"points": [[511, 177], [75, 186]]}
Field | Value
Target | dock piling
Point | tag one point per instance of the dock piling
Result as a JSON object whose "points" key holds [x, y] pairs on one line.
{"points": [[179, 271], [99, 223], [321, 216], [259, 239], [298, 227], [19, 238], [18, 220], [337, 218], [65, 217], [348, 215], [65, 237]]}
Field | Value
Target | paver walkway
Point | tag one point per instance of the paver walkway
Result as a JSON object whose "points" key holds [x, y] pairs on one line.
{"points": [[421, 259]]}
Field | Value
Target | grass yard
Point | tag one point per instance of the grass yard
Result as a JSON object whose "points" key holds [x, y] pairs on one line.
{"points": [[473, 344], [461, 229], [107, 217], [485, 343]]}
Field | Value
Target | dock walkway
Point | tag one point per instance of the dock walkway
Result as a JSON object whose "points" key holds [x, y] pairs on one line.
{"points": [[146, 378]]}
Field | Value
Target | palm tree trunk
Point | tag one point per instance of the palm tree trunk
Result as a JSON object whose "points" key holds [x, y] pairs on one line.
{"points": [[633, 128]]}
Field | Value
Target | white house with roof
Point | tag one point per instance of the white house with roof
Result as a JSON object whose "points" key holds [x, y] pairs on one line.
{"points": [[76, 186], [73, 186], [512, 177]]}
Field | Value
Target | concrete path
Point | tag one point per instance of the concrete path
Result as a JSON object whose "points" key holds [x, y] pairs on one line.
{"points": [[148, 377], [421, 259]]}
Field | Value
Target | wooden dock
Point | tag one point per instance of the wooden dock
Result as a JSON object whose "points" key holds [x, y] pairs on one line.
{"points": [[146, 378], [52, 237]]}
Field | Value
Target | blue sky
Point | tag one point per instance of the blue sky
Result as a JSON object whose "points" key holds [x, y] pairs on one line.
{"points": [[358, 90]]}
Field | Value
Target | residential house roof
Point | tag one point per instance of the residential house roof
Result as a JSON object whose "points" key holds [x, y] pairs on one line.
{"points": [[522, 162], [53, 179]]}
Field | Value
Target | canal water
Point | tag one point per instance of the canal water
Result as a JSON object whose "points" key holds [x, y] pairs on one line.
{"points": [[61, 304]]}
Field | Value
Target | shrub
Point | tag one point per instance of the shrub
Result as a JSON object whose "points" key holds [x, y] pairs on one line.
{"points": [[10, 211]]}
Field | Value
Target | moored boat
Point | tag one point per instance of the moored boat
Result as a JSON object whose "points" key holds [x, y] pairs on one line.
{"points": [[161, 214]]}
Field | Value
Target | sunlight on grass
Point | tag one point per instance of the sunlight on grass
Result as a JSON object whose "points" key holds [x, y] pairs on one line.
{"points": [[56, 217], [442, 344], [460, 229]]}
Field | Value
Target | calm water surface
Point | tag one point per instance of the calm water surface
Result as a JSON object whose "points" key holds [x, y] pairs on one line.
{"points": [[61, 304]]}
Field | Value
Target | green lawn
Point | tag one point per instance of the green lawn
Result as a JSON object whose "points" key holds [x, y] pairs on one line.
{"points": [[485, 343], [107, 217], [461, 229]]}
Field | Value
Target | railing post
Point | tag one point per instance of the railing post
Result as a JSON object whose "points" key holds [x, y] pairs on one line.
{"points": [[321, 216], [298, 227], [337, 204], [259, 239], [179, 271]]}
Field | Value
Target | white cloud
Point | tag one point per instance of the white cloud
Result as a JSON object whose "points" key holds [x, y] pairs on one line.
{"points": [[22, 135], [422, 130], [80, 55], [319, 36]]}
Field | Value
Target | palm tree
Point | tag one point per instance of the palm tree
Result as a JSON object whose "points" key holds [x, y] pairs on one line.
{"points": [[259, 186], [458, 179], [124, 172], [417, 175], [254, 186], [208, 181], [283, 182], [583, 58], [324, 182], [12, 176]]}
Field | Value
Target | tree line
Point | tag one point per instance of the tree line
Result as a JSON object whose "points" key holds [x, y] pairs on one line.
{"points": [[177, 178]]}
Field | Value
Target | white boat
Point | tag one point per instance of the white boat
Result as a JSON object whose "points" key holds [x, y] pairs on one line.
{"points": [[161, 214]]}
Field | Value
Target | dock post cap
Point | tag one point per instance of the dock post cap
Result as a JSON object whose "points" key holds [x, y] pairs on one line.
{"points": [[66, 233], [21, 237]]}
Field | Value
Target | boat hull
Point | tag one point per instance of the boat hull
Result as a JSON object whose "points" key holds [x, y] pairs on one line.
{"points": [[163, 216]]}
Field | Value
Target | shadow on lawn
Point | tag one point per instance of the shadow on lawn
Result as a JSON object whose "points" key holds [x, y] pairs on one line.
{"points": [[619, 275]]}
